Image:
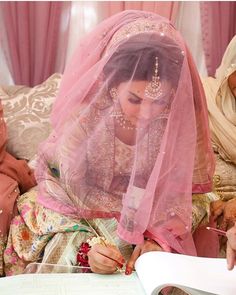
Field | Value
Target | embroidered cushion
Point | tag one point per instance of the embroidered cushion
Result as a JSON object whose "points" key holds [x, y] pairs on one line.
{"points": [[26, 112]]}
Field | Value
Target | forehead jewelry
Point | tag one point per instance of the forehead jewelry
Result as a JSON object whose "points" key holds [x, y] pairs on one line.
{"points": [[153, 89]]}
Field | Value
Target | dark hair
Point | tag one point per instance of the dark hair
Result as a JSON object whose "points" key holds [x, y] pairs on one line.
{"points": [[139, 53]]}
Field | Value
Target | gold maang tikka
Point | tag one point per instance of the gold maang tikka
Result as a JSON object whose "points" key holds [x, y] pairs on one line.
{"points": [[153, 89]]}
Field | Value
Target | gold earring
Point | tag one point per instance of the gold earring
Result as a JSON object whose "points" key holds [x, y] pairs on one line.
{"points": [[113, 93]]}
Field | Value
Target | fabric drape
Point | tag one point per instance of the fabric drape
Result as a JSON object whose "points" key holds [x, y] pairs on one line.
{"points": [[30, 38], [77, 181], [167, 9], [218, 28], [221, 106], [15, 178]]}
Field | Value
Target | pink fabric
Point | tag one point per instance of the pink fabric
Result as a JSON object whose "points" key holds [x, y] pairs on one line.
{"points": [[206, 241], [31, 34], [167, 9], [15, 178], [76, 171], [218, 28]]}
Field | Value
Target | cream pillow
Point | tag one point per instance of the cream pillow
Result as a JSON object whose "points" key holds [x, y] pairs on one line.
{"points": [[26, 112]]}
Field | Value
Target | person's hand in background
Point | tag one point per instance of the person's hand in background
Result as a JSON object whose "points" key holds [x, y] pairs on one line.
{"points": [[224, 213], [231, 247]]}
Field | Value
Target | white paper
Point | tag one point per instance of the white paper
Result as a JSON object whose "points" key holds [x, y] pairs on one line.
{"points": [[210, 275], [155, 270], [71, 284]]}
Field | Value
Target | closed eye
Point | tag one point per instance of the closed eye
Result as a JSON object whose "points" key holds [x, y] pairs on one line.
{"points": [[135, 100]]}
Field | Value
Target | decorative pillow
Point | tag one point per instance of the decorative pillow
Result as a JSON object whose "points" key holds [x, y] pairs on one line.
{"points": [[26, 112]]}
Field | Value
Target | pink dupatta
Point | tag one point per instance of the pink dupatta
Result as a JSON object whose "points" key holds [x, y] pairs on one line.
{"points": [[161, 207]]}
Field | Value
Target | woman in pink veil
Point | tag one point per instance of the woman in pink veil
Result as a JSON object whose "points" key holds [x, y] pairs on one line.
{"points": [[129, 158]]}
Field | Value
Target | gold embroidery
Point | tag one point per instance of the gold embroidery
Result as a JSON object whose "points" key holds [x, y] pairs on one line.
{"points": [[200, 210], [143, 26], [224, 179], [216, 180]]}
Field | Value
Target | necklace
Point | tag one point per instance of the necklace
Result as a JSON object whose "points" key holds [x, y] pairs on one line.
{"points": [[124, 123]]}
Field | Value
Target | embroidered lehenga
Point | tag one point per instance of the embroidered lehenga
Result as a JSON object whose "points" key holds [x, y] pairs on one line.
{"points": [[89, 179]]}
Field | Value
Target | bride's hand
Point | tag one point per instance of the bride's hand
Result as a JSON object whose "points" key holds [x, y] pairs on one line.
{"points": [[105, 259], [147, 246]]}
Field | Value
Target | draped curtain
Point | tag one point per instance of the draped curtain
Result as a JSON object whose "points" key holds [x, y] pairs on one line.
{"points": [[85, 15], [38, 37], [218, 27], [167, 9], [188, 22], [30, 39]]}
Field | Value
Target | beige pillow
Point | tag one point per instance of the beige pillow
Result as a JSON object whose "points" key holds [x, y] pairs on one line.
{"points": [[26, 112]]}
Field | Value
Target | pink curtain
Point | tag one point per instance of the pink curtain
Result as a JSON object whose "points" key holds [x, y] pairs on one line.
{"points": [[218, 27], [31, 37], [167, 9]]}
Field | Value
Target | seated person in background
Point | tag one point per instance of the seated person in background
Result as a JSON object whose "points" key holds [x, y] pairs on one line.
{"points": [[15, 178], [221, 100], [129, 158]]}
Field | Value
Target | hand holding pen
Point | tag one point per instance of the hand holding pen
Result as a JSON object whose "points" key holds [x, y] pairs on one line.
{"points": [[105, 259], [231, 244]]}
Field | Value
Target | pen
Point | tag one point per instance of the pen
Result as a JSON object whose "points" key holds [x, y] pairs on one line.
{"points": [[102, 241], [118, 263], [218, 231]]}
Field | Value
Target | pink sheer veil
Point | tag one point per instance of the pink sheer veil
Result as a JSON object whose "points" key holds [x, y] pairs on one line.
{"points": [[159, 206]]}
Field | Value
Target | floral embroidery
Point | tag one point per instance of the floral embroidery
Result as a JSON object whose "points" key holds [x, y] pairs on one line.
{"points": [[17, 221], [9, 251], [25, 210], [25, 235]]}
